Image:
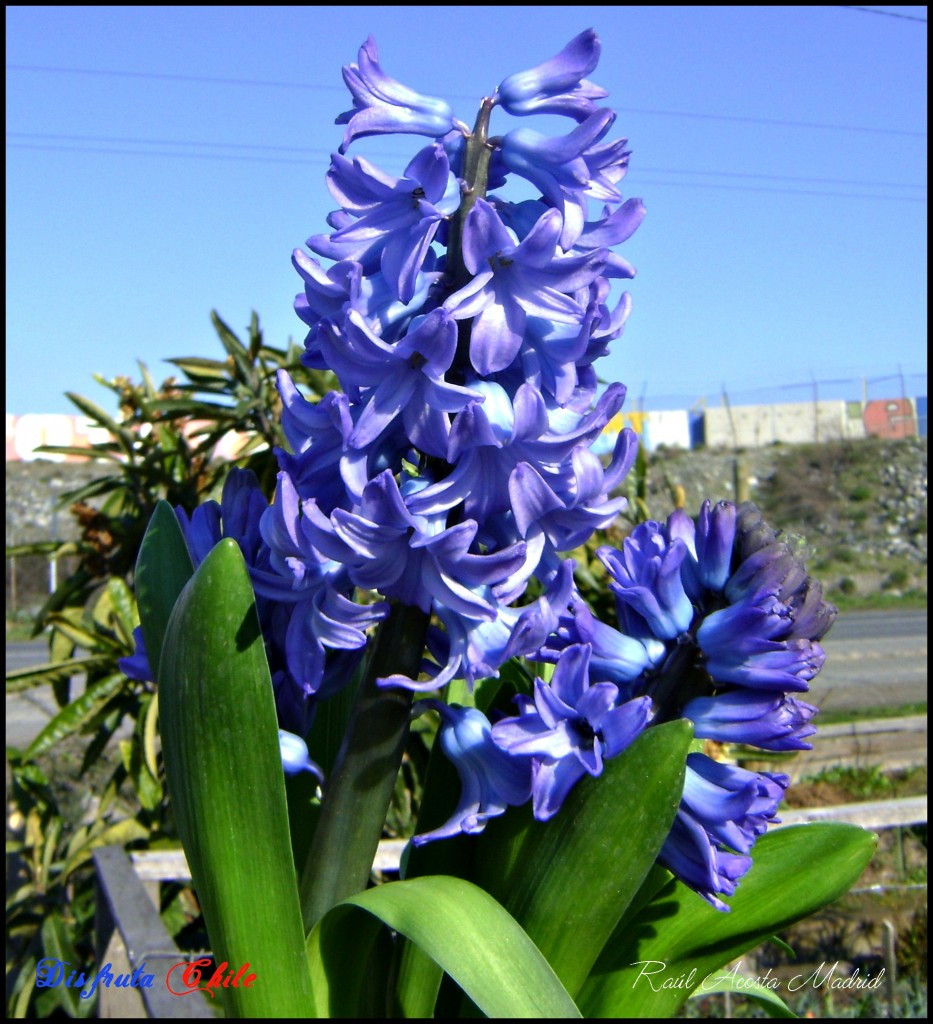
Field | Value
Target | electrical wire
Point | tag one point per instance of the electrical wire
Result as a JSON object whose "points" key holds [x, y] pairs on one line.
{"points": [[887, 14], [207, 79], [320, 151]]}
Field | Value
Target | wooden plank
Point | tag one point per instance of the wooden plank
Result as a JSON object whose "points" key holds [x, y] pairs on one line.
{"points": [[388, 855], [907, 723], [161, 866], [171, 865], [909, 810], [891, 744]]}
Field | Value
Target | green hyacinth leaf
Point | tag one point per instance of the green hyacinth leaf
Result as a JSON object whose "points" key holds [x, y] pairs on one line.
{"points": [[460, 927], [680, 939], [418, 983], [225, 779], [568, 881], [163, 567], [750, 988]]}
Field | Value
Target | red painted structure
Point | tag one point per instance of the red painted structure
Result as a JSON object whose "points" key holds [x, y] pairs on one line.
{"points": [[890, 417]]}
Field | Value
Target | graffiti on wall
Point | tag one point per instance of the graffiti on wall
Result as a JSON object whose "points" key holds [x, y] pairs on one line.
{"points": [[890, 417]]}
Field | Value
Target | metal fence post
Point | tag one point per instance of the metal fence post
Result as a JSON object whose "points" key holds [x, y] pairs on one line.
{"points": [[131, 933]]}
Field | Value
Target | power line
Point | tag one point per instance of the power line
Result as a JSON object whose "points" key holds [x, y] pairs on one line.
{"points": [[780, 177], [124, 140], [168, 77], [319, 161], [781, 191], [109, 151], [325, 152], [887, 14], [914, 382], [163, 76], [775, 122]]}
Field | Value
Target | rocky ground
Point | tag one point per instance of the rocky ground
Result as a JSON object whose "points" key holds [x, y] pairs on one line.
{"points": [[857, 508]]}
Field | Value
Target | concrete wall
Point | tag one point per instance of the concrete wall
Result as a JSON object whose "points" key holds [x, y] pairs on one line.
{"points": [[670, 427], [743, 426], [26, 433], [751, 426]]}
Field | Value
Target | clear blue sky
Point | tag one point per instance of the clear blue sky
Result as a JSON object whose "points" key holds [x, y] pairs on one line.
{"points": [[165, 161]]}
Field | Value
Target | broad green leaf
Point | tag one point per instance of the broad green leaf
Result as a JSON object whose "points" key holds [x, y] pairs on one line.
{"points": [[515, 673], [255, 336], [237, 350], [84, 452], [196, 408], [327, 732], [462, 928], [418, 983], [751, 988], [62, 646], [148, 382], [101, 485], [146, 786], [120, 833], [361, 784], [76, 714], [57, 944], [42, 675], [170, 443], [117, 609], [123, 706], [40, 547], [347, 965], [796, 871], [163, 567], [198, 368], [65, 625], [224, 770], [50, 849], [26, 979], [103, 419], [150, 735], [568, 881]]}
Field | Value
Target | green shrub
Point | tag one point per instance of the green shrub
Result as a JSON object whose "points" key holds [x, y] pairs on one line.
{"points": [[90, 618], [897, 579]]}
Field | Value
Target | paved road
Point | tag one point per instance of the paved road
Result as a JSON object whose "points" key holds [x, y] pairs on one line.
{"points": [[872, 659], [27, 712], [880, 625]]}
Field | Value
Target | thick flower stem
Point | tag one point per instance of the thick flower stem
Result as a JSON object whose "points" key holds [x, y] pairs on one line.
{"points": [[360, 786], [680, 679], [475, 178]]}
